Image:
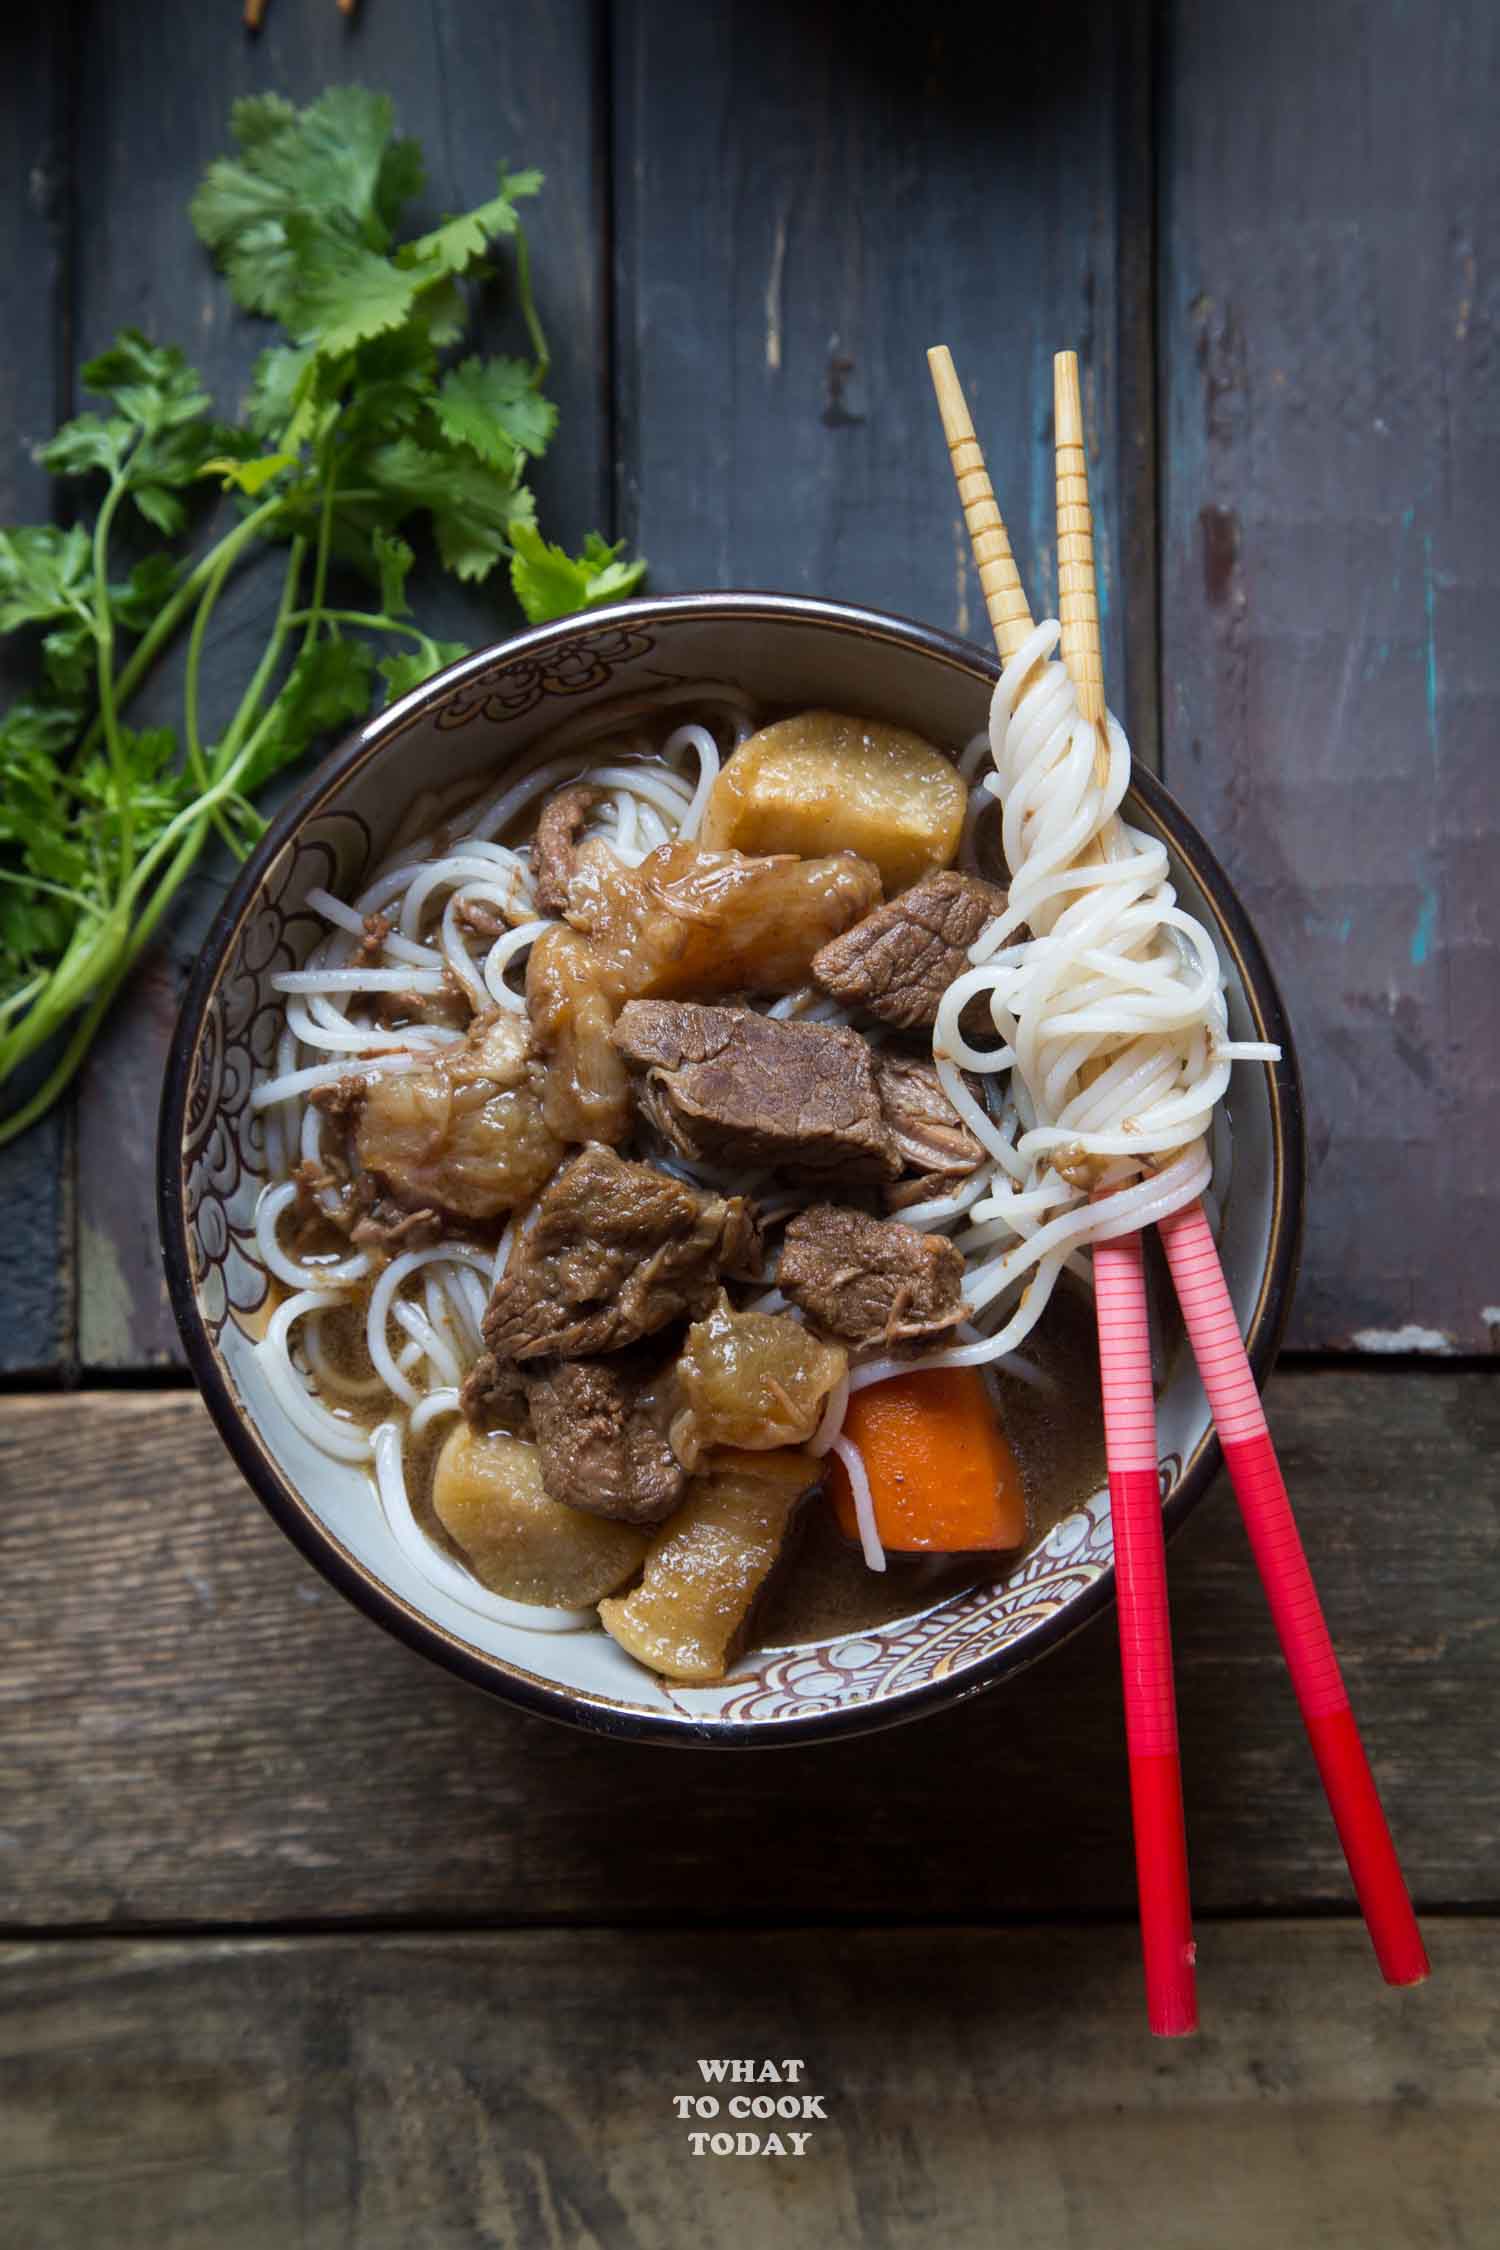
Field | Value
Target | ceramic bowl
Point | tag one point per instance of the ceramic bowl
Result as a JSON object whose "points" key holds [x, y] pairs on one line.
{"points": [[459, 732]]}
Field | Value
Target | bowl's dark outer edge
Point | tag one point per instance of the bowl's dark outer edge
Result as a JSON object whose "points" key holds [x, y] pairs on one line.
{"points": [[278, 1497]]}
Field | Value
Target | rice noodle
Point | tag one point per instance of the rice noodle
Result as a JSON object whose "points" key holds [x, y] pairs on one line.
{"points": [[833, 1418], [864, 1502], [349, 918], [505, 950], [345, 1441], [330, 1273], [382, 1305], [1108, 1005], [289, 1084]]}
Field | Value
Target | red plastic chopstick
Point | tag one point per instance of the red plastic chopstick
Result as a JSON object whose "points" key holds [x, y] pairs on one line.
{"points": [[1145, 1637], [1301, 1627]]}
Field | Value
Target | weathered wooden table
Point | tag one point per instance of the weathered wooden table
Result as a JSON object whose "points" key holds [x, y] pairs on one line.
{"points": [[308, 1945]]}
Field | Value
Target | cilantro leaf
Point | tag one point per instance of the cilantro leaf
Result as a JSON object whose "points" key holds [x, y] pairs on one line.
{"points": [[327, 687], [150, 585], [88, 443], [331, 166], [549, 583], [152, 385], [408, 670], [252, 476], [44, 573], [471, 504], [160, 507], [279, 389], [453, 247], [493, 407], [343, 292], [69, 657]]}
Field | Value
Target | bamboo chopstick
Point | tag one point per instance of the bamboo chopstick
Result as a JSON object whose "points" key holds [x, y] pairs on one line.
{"points": [[1119, 1290], [1193, 1258]]}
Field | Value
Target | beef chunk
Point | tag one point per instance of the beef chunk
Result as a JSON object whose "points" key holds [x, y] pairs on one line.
{"points": [[493, 1394], [617, 1251], [899, 961], [935, 1143], [601, 1426], [869, 1281], [728, 1086], [553, 854]]}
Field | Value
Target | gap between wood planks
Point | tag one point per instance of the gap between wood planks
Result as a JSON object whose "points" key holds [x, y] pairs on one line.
{"points": [[310, 1930]]}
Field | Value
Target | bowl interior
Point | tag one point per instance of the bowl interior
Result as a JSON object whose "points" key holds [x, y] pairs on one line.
{"points": [[455, 736]]}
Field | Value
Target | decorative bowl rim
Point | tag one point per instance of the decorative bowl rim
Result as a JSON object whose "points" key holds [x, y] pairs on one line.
{"points": [[281, 1498]]}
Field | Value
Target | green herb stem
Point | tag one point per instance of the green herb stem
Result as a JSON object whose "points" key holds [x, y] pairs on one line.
{"points": [[104, 643], [167, 620], [367, 619]]}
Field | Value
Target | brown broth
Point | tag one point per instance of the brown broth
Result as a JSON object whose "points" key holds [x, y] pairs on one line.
{"points": [[1058, 1439]]}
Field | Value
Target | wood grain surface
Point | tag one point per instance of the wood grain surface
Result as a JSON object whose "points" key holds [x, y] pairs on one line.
{"points": [[197, 1730], [1329, 316], [979, 2088]]}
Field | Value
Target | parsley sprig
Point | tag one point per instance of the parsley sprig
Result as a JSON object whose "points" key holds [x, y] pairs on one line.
{"points": [[362, 424]]}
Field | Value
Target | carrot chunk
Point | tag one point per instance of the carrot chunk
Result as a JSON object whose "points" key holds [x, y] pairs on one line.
{"points": [[942, 1474]]}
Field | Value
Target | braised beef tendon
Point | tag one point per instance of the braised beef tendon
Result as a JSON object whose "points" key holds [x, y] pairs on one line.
{"points": [[466, 1134], [572, 1005], [693, 922], [752, 1380]]}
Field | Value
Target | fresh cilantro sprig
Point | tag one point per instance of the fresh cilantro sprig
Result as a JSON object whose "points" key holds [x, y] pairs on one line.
{"points": [[363, 425]]}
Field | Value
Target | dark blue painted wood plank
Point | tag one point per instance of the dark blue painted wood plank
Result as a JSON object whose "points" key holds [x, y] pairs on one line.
{"points": [[1331, 700], [36, 1269], [807, 198]]}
